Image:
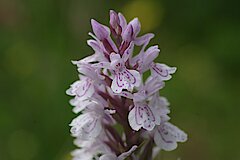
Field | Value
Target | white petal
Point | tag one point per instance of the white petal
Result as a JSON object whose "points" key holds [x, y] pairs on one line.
{"points": [[128, 52], [135, 78], [82, 89], [79, 104], [118, 83], [162, 70], [143, 116], [167, 136], [86, 126], [132, 120]]}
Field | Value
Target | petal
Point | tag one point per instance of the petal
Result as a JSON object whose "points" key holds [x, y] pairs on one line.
{"points": [[167, 136], [128, 33], [164, 141], [123, 22], [118, 83], [163, 71], [128, 52], [143, 39], [86, 126], [81, 154], [143, 116], [151, 54], [95, 45], [178, 133], [114, 19], [133, 120], [82, 89], [79, 104], [153, 85], [134, 77], [152, 118], [101, 31], [136, 26]]}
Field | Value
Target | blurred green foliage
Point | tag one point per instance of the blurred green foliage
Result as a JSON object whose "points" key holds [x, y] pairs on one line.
{"points": [[38, 38]]}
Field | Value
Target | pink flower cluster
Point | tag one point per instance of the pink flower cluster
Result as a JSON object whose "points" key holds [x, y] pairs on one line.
{"points": [[121, 115]]}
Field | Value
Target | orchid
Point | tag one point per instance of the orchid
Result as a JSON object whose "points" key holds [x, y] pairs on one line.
{"points": [[112, 92]]}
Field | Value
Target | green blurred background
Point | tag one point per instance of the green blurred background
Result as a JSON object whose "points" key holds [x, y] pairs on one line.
{"points": [[38, 38]]}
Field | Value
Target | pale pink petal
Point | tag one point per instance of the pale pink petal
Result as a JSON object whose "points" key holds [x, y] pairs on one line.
{"points": [[143, 116], [167, 136], [134, 77], [143, 39], [128, 33], [118, 83], [101, 31], [86, 126], [123, 22], [162, 71], [136, 26], [79, 104], [82, 89], [133, 120], [128, 52]]}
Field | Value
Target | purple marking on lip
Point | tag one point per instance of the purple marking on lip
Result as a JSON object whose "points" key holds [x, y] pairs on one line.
{"points": [[119, 78], [166, 141], [85, 88], [134, 79], [160, 71], [140, 110]]}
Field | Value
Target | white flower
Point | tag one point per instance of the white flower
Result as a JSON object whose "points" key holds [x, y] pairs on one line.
{"points": [[162, 71], [167, 135], [82, 89], [123, 78], [143, 116], [87, 125]]}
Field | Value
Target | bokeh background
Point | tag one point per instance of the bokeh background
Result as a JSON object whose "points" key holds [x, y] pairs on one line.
{"points": [[38, 38]]}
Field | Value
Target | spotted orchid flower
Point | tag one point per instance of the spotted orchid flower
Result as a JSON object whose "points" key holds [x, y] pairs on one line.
{"points": [[123, 78], [144, 115], [82, 89], [167, 135], [86, 126], [113, 93]]}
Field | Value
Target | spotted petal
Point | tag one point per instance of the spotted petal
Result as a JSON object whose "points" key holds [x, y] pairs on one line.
{"points": [[125, 79], [86, 126], [142, 116], [167, 136], [162, 71], [83, 89], [79, 104]]}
